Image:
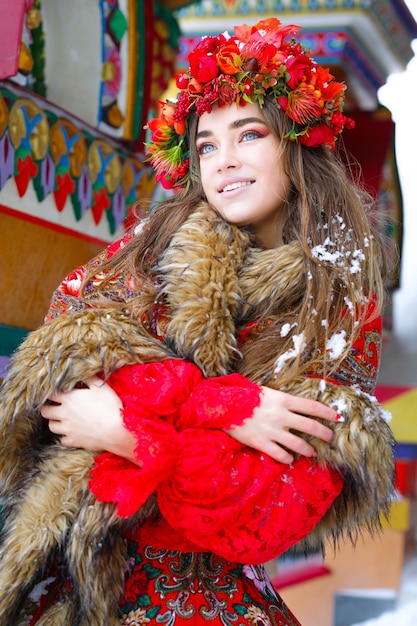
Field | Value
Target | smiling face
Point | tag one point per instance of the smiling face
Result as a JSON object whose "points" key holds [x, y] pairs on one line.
{"points": [[242, 171]]}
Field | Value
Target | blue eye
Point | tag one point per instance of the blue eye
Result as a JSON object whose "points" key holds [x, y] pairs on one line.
{"points": [[249, 135], [205, 148]]}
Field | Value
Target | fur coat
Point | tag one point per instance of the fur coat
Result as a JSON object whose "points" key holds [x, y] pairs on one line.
{"points": [[211, 279]]}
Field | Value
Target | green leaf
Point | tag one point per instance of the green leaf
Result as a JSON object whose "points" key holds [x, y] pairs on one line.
{"points": [[153, 612], [152, 572], [144, 600], [241, 609]]}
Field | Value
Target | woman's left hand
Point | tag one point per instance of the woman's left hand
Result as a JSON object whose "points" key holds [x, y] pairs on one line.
{"points": [[90, 417], [275, 425]]}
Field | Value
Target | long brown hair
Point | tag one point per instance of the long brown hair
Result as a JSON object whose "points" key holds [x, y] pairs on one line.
{"points": [[337, 225], [329, 214]]}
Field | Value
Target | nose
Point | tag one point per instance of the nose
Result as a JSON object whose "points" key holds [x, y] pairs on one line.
{"points": [[227, 157]]}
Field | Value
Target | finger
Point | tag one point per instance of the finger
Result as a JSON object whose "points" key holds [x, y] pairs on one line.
{"points": [[55, 398], [50, 402], [276, 452], [312, 427], [51, 411], [56, 427], [68, 442], [305, 406], [95, 381], [297, 445]]}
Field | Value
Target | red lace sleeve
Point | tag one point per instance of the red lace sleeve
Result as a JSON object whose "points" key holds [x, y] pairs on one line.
{"points": [[219, 494], [221, 402], [240, 504], [153, 395]]}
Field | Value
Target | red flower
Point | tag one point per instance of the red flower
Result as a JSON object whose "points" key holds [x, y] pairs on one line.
{"points": [[136, 585], [228, 59], [167, 180], [168, 111], [194, 86], [182, 80], [319, 76], [203, 67], [180, 127], [270, 30], [157, 126], [318, 135], [71, 285], [334, 91], [209, 45], [228, 92], [298, 69], [257, 55], [302, 104]]}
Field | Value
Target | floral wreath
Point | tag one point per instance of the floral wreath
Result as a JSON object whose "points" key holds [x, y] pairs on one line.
{"points": [[254, 62]]}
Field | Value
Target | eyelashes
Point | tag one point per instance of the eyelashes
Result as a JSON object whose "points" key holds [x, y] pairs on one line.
{"points": [[205, 148], [247, 135]]}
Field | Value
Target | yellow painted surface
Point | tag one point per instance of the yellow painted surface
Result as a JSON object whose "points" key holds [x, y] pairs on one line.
{"points": [[404, 416], [400, 515], [34, 260]]}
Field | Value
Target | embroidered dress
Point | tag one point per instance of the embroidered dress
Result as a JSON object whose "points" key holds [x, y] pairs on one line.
{"points": [[172, 588]]}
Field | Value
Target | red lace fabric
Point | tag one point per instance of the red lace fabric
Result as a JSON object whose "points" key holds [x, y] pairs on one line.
{"points": [[159, 399], [242, 505], [217, 494]]}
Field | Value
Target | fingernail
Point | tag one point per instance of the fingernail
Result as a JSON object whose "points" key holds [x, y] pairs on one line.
{"points": [[339, 418]]}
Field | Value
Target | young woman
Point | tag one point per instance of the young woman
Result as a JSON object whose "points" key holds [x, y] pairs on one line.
{"points": [[238, 332]]}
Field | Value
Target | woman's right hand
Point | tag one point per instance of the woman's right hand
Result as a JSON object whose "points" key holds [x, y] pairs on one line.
{"points": [[90, 417], [270, 428]]}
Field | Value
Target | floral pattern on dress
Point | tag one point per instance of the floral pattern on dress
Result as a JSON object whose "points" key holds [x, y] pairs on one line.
{"points": [[175, 588], [170, 587]]}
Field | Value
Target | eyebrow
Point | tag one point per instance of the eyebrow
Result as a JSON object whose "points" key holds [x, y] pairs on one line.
{"points": [[236, 124]]}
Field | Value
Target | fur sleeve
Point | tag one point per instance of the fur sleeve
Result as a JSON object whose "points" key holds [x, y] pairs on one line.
{"points": [[362, 450], [44, 493]]}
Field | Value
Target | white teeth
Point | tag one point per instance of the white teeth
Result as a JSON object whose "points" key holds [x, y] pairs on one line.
{"points": [[236, 186]]}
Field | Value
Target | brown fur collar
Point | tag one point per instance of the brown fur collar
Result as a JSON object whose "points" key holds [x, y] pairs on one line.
{"points": [[210, 278]]}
